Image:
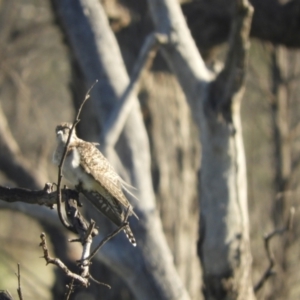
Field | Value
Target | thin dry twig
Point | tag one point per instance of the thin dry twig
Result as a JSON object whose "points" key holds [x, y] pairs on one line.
{"points": [[267, 238], [59, 201], [60, 264], [100, 283], [19, 289], [109, 237], [70, 290]]}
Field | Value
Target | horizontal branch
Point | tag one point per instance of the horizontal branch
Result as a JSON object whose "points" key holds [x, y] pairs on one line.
{"points": [[45, 197]]}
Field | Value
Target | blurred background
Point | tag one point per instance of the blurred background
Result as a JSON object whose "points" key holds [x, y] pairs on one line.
{"points": [[41, 85]]}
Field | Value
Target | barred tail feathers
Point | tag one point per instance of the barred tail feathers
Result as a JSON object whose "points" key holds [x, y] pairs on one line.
{"points": [[130, 235]]}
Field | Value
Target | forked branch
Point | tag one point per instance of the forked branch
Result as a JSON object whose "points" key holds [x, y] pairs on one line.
{"points": [[267, 239], [55, 261]]}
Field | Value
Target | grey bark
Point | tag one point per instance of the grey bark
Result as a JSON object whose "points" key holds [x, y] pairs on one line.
{"points": [[215, 101], [148, 269]]}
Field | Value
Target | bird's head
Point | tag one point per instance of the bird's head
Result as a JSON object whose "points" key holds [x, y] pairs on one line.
{"points": [[62, 133]]}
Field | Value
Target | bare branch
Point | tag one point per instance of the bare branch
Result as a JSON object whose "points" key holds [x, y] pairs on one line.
{"points": [[181, 52], [100, 283], [267, 239], [115, 123], [44, 197], [60, 264], [70, 290], [114, 233], [86, 232], [19, 283], [59, 200]]}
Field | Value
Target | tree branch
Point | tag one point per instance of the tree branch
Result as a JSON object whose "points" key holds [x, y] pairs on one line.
{"points": [[231, 79], [114, 233], [44, 197], [180, 52], [115, 123], [70, 290], [19, 289], [76, 121], [60, 264], [267, 239]]}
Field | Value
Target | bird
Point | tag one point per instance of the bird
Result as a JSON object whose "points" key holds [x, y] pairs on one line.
{"points": [[91, 173]]}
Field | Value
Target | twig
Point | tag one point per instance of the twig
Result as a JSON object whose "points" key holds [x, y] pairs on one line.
{"points": [[19, 289], [60, 264], [115, 123], [59, 201], [114, 233], [70, 290], [100, 283], [267, 238]]}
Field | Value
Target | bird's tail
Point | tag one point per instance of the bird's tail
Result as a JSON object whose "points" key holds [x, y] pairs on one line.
{"points": [[130, 235]]}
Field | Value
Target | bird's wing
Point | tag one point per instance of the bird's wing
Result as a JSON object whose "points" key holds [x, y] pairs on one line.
{"points": [[96, 165]]}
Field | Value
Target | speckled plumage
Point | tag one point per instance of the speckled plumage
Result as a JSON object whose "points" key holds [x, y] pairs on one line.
{"points": [[93, 175]]}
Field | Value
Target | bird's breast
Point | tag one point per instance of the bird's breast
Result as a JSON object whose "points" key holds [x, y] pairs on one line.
{"points": [[72, 170]]}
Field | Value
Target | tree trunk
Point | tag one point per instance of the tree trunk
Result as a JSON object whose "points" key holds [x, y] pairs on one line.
{"points": [[224, 246], [175, 166]]}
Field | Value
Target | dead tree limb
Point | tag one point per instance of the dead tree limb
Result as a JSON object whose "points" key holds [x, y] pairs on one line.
{"points": [[55, 261], [116, 121], [19, 289], [267, 240], [44, 197]]}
